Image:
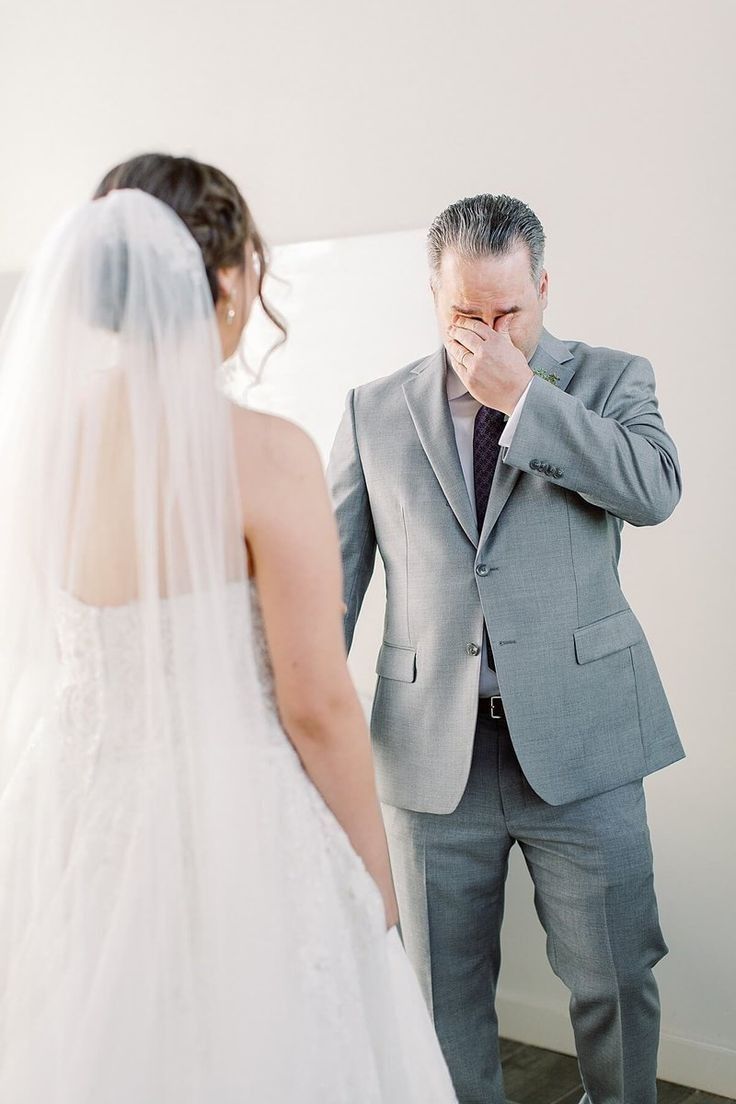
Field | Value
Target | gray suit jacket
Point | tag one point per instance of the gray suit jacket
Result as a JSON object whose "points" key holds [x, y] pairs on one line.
{"points": [[583, 698]]}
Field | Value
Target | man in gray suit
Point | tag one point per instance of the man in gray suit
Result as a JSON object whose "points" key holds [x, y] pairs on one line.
{"points": [[517, 699]]}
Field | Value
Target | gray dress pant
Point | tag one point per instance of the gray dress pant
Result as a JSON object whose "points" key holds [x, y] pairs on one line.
{"points": [[591, 864]]}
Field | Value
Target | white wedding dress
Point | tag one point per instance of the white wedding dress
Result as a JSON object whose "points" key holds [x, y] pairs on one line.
{"points": [[374, 1042]]}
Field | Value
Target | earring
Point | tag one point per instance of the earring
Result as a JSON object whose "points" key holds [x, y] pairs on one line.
{"points": [[230, 316]]}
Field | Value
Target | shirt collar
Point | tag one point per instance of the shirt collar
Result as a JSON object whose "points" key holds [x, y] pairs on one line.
{"points": [[455, 386]]}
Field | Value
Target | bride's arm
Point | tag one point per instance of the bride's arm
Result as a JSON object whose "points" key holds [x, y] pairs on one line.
{"points": [[292, 537]]}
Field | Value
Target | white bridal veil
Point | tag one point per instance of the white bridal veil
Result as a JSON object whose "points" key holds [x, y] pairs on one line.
{"points": [[131, 766]]}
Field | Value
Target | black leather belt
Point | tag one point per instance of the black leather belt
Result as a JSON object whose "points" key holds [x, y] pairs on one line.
{"points": [[492, 707]]}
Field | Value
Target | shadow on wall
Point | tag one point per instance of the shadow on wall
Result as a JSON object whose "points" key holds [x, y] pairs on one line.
{"points": [[8, 283]]}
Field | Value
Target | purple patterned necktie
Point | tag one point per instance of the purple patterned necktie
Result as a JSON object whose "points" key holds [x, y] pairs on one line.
{"points": [[488, 427]]}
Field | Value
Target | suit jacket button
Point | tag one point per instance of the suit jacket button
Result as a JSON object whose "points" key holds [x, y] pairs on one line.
{"points": [[558, 473], [481, 569], [472, 649], [535, 465]]}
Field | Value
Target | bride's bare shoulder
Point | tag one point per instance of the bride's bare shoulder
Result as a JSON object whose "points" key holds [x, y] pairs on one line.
{"points": [[273, 448]]}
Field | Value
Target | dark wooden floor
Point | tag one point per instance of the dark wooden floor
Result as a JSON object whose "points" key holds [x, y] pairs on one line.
{"points": [[536, 1076]]}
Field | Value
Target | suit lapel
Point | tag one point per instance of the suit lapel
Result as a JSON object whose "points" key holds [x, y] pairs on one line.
{"points": [[552, 360], [426, 397]]}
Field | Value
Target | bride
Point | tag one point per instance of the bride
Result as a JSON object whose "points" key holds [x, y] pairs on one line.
{"points": [[196, 903]]}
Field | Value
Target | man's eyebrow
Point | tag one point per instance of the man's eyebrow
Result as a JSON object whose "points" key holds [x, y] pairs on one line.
{"points": [[470, 314]]}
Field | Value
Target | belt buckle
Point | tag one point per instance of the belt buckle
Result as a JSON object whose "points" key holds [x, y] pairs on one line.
{"points": [[495, 716]]}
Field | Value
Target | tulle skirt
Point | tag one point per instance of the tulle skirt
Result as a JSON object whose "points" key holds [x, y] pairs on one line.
{"points": [[313, 1002]]}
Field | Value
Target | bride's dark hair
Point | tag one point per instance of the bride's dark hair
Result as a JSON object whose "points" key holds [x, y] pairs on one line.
{"points": [[209, 204]]}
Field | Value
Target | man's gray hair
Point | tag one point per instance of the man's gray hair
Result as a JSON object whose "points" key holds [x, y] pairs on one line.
{"points": [[486, 225]]}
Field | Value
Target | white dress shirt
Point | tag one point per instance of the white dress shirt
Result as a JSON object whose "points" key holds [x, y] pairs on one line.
{"points": [[463, 408]]}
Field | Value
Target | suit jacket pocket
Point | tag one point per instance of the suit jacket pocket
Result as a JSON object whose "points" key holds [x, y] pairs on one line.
{"points": [[397, 662], [611, 634]]}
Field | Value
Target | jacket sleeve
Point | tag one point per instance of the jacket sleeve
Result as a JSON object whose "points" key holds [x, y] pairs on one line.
{"points": [[622, 459], [349, 494]]}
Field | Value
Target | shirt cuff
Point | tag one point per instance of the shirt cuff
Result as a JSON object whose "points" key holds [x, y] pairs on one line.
{"points": [[509, 429]]}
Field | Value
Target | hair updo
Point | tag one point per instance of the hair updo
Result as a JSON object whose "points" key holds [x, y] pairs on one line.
{"points": [[209, 204]]}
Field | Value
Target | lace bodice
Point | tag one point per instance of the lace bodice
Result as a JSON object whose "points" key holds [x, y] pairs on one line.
{"points": [[102, 671], [260, 647]]}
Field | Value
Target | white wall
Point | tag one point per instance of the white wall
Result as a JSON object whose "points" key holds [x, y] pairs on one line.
{"points": [[341, 117], [615, 122]]}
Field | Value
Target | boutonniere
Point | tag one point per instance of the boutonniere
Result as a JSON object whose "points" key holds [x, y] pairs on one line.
{"points": [[550, 377]]}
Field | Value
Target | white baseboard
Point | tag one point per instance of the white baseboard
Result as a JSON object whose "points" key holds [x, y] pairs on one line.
{"points": [[685, 1061]]}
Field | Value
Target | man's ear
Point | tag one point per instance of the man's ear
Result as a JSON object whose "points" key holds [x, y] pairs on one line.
{"points": [[544, 288]]}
